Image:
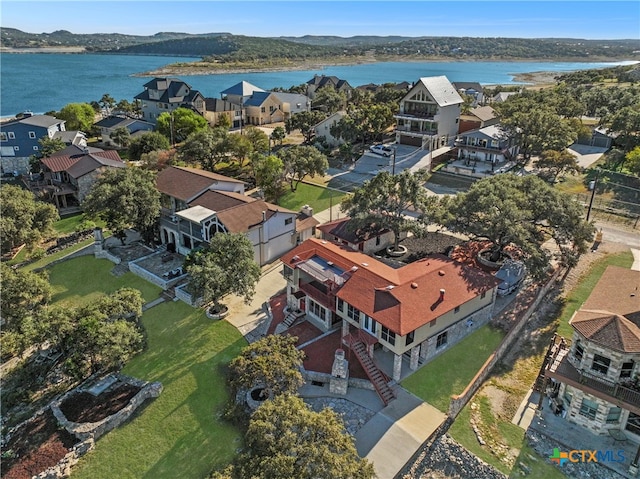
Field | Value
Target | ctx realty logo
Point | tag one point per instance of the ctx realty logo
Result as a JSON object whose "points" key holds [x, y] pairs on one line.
{"points": [[584, 455]]}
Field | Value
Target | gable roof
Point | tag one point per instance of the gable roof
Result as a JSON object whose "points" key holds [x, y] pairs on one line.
{"points": [[484, 113], [343, 229], [292, 98], [400, 299], [220, 200], [493, 132], [169, 88], [43, 121], [241, 89], [81, 150], [441, 90], [184, 183], [217, 105], [258, 98], [69, 136], [241, 218], [66, 162]]}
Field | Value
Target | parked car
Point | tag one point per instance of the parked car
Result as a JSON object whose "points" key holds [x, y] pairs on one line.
{"points": [[512, 274], [381, 150]]}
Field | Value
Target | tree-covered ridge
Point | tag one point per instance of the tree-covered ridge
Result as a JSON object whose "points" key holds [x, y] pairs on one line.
{"points": [[238, 48], [229, 48]]}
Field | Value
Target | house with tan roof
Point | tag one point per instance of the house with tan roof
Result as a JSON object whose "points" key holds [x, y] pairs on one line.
{"points": [[429, 114], [593, 379], [198, 204], [69, 174], [415, 311], [477, 118]]}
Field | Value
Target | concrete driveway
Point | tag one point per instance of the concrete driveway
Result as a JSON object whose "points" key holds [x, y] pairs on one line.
{"points": [[586, 155]]}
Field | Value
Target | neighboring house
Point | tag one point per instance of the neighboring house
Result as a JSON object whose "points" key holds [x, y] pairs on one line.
{"points": [[321, 81], [486, 144], [19, 140], [502, 96], [429, 114], [240, 92], [217, 108], [68, 175], [472, 89], [197, 204], [164, 95], [323, 128], [477, 118], [110, 124], [368, 240], [594, 380], [73, 137], [416, 311], [600, 138]]}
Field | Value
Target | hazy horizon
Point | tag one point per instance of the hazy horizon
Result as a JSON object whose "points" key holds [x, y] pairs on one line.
{"points": [[584, 20]]}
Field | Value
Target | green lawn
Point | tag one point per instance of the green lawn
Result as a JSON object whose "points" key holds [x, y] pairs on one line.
{"points": [[318, 197], [582, 291], [178, 434], [72, 223], [450, 372], [82, 280], [41, 263]]}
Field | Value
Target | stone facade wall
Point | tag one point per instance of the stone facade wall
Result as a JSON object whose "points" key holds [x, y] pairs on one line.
{"points": [[326, 378], [186, 297], [104, 254], [15, 163]]}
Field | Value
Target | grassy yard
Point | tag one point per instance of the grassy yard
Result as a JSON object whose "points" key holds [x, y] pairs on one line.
{"points": [[317, 197], [74, 223], [580, 294], [438, 380], [179, 434], [41, 263], [82, 280]]}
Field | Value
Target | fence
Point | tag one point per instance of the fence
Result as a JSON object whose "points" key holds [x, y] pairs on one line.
{"points": [[459, 401]]}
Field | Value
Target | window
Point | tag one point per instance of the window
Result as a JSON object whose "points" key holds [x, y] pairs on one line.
{"points": [[567, 398], [410, 338], [287, 272], [613, 417], [432, 323], [441, 340], [353, 313], [377, 240], [12, 135], [627, 369], [457, 309], [633, 423], [32, 134], [35, 148], [600, 364], [369, 325], [262, 110], [316, 310], [16, 148], [483, 295], [588, 408], [340, 304], [388, 336], [579, 351], [3, 136], [288, 221]]}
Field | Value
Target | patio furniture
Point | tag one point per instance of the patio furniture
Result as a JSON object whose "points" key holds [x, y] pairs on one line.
{"points": [[618, 435]]}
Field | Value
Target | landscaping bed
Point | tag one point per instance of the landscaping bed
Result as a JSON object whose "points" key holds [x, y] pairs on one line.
{"points": [[85, 407], [34, 447], [424, 245]]}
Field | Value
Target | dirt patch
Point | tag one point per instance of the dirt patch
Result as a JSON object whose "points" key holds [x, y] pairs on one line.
{"points": [[34, 447], [84, 407]]}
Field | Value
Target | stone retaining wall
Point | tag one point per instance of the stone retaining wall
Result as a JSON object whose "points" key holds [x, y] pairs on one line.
{"points": [[325, 378], [104, 254], [95, 430]]}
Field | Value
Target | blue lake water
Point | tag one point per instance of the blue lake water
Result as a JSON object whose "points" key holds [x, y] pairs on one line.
{"points": [[46, 82]]}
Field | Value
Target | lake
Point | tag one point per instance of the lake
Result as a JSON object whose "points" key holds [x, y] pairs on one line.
{"points": [[49, 81]]}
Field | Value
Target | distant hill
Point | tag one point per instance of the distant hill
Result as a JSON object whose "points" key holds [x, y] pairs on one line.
{"points": [[226, 47]]}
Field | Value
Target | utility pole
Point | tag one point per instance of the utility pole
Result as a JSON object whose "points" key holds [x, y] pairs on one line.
{"points": [[593, 193], [393, 167]]}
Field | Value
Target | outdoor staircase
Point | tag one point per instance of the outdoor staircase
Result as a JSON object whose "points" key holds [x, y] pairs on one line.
{"points": [[288, 321], [378, 378]]}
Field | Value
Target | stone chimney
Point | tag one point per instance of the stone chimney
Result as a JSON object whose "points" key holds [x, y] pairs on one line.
{"points": [[307, 210]]}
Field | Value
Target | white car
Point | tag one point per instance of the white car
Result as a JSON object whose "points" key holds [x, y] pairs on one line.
{"points": [[381, 150]]}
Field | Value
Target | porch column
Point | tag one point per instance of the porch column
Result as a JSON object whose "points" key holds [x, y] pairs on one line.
{"points": [[415, 354], [397, 367], [345, 328]]}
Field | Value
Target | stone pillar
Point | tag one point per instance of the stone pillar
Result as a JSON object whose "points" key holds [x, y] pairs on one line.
{"points": [[98, 241], [345, 328], [415, 356], [339, 382], [397, 367]]}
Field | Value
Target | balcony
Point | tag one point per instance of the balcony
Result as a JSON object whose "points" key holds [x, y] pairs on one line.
{"points": [[561, 369], [320, 293]]}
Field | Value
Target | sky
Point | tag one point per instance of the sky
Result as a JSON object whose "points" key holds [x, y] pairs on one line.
{"points": [[592, 19]]}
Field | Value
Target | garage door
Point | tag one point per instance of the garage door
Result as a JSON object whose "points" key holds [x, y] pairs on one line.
{"points": [[410, 140]]}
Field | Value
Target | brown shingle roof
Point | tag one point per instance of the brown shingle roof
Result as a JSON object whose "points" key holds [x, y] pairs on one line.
{"points": [[607, 329], [220, 200], [304, 222], [400, 299], [184, 183], [617, 291], [342, 229], [241, 218], [60, 162]]}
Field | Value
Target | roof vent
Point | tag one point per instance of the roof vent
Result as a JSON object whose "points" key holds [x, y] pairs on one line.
{"points": [[414, 285], [441, 273], [330, 263], [365, 264], [296, 258], [323, 242], [354, 268], [390, 287]]}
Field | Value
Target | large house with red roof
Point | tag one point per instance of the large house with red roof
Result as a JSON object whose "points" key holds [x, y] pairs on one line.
{"points": [[68, 175], [415, 311], [593, 380], [198, 204]]}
